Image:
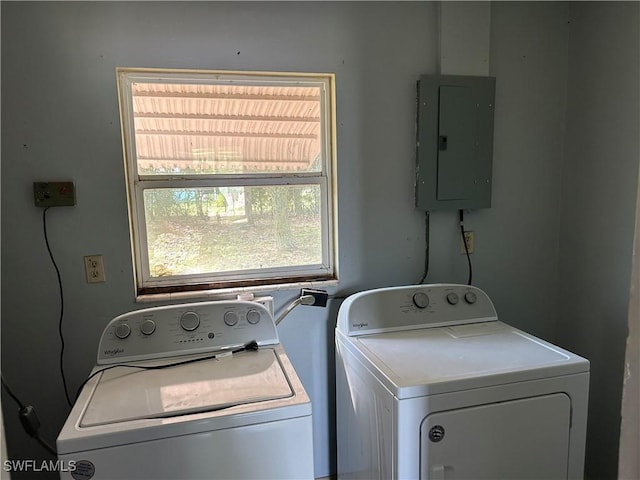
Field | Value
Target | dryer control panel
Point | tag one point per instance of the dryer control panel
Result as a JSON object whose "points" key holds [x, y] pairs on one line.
{"points": [[414, 306], [185, 329]]}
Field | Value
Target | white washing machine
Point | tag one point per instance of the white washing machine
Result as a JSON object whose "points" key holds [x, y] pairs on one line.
{"points": [[431, 385], [191, 391]]}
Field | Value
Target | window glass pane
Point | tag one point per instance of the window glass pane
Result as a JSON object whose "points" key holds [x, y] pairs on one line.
{"points": [[183, 128], [225, 229]]}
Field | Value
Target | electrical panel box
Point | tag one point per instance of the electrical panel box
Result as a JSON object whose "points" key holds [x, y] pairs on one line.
{"points": [[454, 142]]}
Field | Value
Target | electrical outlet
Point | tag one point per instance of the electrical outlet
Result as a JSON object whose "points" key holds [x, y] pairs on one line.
{"points": [[320, 296], [468, 235], [94, 268], [54, 194]]}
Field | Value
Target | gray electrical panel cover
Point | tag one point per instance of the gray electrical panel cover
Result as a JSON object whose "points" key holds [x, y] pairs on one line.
{"points": [[455, 142]]}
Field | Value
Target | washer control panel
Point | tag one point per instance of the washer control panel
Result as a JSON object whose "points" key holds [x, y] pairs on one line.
{"points": [[417, 306], [183, 329]]}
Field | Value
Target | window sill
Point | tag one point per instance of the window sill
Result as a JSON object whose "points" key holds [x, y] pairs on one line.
{"points": [[231, 293]]}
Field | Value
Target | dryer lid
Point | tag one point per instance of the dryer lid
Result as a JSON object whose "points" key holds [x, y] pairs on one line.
{"points": [[125, 394], [437, 360]]}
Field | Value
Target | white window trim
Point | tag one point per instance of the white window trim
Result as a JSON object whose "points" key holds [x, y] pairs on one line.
{"points": [[237, 282]]}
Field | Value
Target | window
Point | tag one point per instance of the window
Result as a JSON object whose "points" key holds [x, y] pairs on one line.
{"points": [[230, 177]]}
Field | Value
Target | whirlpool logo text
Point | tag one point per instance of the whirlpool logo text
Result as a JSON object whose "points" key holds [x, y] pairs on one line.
{"points": [[113, 351]]}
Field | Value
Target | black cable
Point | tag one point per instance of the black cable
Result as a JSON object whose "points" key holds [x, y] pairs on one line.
{"points": [[11, 394], [426, 248], [55, 265], [249, 346], [466, 247], [29, 419]]}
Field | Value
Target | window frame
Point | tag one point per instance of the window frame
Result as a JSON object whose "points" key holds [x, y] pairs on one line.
{"points": [[136, 183]]}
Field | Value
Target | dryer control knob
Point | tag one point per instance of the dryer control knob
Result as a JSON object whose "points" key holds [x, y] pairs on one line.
{"points": [[148, 327], [420, 300], [452, 298], [189, 321], [123, 330], [231, 318], [253, 316], [470, 297]]}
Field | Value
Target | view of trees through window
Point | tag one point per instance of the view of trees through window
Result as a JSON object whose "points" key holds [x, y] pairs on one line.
{"points": [[193, 231]]}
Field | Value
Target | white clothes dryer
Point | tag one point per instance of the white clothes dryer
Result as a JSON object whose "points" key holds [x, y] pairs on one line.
{"points": [[191, 391], [431, 385]]}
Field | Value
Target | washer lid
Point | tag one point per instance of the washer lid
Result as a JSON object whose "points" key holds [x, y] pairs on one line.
{"points": [[437, 360], [124, 394]]}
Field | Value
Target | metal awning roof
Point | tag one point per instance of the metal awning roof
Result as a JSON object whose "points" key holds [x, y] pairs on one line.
{"points": [[238, 127]]}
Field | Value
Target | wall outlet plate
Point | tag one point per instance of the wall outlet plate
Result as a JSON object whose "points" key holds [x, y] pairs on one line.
{"points": [[94, 269], [470, 237], [54, 194]]}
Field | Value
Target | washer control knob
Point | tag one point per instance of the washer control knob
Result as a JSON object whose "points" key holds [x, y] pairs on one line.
{"points": [[470, 297], [231, 318], [123, 330], [253, 316], [148, 327], [420, 300], [189, 321], [452, 298]]}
